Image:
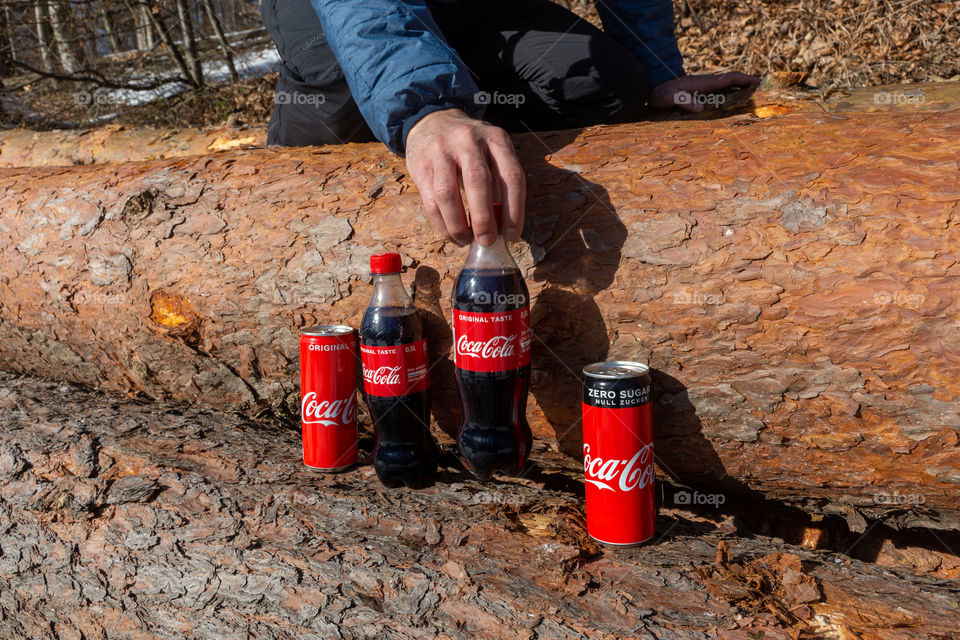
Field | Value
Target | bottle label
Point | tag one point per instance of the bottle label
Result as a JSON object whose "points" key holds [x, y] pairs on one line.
{"points": [[395, 371], [492, 341]]}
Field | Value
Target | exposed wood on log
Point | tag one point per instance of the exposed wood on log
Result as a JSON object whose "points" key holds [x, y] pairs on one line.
{"points": [[24, 148], [793, 283], [120, 519]]}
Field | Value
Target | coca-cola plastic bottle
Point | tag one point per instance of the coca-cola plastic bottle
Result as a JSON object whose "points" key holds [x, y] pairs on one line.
{"points": [[491, 331], [396, 380]]}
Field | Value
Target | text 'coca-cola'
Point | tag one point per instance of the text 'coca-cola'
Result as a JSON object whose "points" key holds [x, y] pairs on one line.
{"points": [[329, 413], [492, 341], [395, 370]]}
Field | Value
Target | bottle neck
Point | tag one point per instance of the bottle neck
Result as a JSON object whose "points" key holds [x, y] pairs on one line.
{"points": [[496, 256], [388, 291]]}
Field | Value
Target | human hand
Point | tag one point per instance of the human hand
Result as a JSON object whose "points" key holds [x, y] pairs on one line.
{"points": [[682, 92], [447, 147]]}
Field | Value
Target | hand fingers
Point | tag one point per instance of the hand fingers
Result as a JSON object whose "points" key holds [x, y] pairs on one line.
{"points": [[512, 182], [688, 97], [433, 214], [425, 185], [720, 81], [741, 79], [477, 185], [446, 192]]}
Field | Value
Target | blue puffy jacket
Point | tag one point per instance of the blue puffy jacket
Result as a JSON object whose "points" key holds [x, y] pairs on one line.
{"points": [[400, 68]]}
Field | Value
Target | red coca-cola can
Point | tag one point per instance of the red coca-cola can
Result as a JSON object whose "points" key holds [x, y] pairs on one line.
{"points": [[618, 452], [328, 396]]}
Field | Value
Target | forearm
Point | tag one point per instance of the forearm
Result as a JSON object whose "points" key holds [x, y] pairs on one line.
{"points": [[646, 28], [397, 64]]}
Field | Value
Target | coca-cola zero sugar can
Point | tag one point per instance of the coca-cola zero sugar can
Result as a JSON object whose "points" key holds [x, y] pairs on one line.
{"points": [[618, 452], [328, 396]]}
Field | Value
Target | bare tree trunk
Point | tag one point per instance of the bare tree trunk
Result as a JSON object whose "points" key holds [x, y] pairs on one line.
{"points": [[143, 26], [164, 33], [43, 41], [7, 26], [149, 42], [189, 43], [224, 44], [68, 53], [139, 22], [104, 11]]}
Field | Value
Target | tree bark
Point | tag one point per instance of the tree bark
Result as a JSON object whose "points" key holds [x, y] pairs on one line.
{"points": [[122, 519], [791, 281]]}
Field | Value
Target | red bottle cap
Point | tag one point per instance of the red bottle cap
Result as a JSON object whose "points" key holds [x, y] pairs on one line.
{"points": [[385, 263]]}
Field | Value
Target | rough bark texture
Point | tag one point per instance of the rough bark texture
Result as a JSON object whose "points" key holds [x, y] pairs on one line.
{"points": [[120, 519], [793, 283], [24, 148]]}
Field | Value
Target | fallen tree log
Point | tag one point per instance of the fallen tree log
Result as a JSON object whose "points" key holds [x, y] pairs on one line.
{"points": [[123, 519], [792, 282], [25, 148]]}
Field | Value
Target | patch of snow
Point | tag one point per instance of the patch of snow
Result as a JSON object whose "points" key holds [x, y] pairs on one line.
{"points": [[215, 71]]}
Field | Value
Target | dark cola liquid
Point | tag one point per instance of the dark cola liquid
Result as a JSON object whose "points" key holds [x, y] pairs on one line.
{"points": [[404, 452], [494, 434]]}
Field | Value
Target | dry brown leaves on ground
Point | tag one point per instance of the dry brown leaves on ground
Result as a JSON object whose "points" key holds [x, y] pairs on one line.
{"points": [[838, 43]]}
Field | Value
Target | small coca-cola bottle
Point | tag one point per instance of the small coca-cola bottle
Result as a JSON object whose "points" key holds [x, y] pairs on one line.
{"points": [[396, 380], [491, 331]]}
